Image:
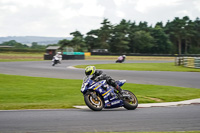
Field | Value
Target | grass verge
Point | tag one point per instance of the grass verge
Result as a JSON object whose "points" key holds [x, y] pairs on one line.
{"points": [[22, 92], [33, 56], [20, 56], [143, 67], [104, 57]]}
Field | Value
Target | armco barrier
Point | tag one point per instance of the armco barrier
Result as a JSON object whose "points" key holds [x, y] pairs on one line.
{"points": [[197, 62], [48, 57], [73, 57], [192, 62], [189, 61], [179, 61]]}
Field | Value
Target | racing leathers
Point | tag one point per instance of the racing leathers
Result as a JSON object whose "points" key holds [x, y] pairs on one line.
{"points": [[99, 75]]}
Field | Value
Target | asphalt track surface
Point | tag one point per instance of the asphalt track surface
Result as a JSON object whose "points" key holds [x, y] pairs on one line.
{"points": [[176, 118], [182, 118], [44, 69]]}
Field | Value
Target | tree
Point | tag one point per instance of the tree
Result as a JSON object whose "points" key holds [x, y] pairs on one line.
{"points": [[144, 26], [104, 34], [15, 44], [92, 39], [176, 30], [63, 43], [195, 41], [133, 28], [162, 44], [189, 34], [119, 41], [181, 35], [160, 24], [78, 42], [143, 42], [35, 45]]}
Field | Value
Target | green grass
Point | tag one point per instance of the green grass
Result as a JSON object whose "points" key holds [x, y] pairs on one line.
{"points": [[22, 92], [143, 67]]}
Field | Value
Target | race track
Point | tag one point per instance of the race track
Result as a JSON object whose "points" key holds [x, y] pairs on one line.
{"points": [[179, 118], [44, 69], [182, 118]]}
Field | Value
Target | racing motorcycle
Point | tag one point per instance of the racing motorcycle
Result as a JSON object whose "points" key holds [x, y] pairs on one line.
{"points": [[55, 61], [120, 59], [99, 95]]}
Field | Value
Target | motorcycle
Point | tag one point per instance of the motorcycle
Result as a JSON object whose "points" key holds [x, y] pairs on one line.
{"points": [[120, 59], [55, 61], [99, 95]]}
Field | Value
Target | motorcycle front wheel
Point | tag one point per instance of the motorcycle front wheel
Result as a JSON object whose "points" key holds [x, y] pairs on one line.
{"points": [[93, 101], [131, 102]]}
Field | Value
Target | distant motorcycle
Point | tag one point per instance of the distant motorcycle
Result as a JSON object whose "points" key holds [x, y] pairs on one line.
{"points": [[120, 59], [55, 61], [99, 95]]}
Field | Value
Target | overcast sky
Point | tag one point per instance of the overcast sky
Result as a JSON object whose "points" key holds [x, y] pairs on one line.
{"points": [[57, 18]]}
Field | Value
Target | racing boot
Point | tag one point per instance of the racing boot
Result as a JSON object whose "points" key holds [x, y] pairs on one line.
{"points": [[120, 91], [122, 94]]}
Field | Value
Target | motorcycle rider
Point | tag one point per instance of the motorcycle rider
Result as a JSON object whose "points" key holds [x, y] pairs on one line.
{"points": [[98, 75], [121, 59], [59, 55], [57, 59]]}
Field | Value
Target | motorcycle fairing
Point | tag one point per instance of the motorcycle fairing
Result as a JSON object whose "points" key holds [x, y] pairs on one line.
{"points": [[121, 82], [110, 98]]}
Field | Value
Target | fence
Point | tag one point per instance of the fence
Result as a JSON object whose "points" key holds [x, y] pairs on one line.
{"points": [[192, 62]]}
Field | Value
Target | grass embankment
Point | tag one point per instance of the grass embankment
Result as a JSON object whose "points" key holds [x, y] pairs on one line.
{"points": [[20, 56], [143, 67], [103, 57], [32, 56], [22, 92]]}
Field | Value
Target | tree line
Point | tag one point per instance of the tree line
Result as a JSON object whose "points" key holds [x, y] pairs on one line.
{"points": [[19, 47], [179, 36]]}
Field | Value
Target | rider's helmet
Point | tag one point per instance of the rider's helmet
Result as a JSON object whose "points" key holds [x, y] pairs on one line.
{"points": [[124, 55], [89, 70]]}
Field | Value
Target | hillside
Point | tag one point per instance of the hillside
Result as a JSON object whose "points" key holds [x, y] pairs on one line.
{"points": [[29, 39]]}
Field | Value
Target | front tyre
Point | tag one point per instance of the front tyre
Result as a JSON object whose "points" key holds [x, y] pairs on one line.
{"points": [[93, 101], [131, 102]]}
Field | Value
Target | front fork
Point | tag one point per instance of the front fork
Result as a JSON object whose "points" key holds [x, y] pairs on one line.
{"points": [[93, 94]]}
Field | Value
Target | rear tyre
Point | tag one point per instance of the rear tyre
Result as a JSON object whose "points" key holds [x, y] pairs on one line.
{"points": [[96, 103], [130, 103]]}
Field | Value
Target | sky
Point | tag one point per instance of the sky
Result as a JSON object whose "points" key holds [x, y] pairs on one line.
{"points": [[58, 18]]}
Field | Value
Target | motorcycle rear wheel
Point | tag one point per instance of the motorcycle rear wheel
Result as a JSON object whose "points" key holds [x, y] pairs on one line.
{"points": [[94, 104], [130, 103]]}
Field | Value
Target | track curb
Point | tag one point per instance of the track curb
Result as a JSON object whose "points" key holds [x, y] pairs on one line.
{"points": [[167, 104]]}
